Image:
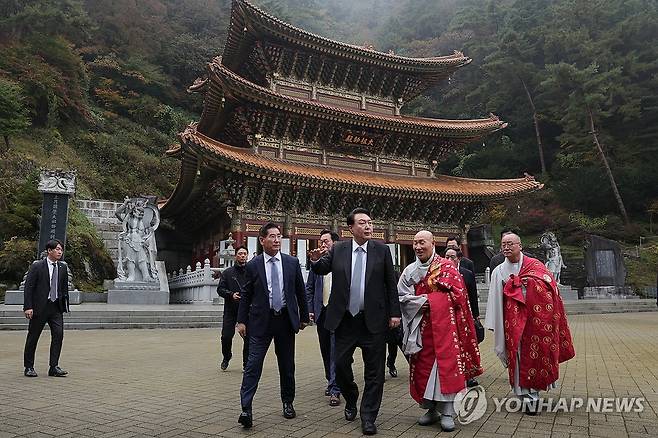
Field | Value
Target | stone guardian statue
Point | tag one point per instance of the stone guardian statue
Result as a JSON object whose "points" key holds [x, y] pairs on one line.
{"points": [[137, 249], [553, 254]]}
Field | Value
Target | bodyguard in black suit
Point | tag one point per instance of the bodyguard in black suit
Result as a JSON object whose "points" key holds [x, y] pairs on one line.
{"points": [[46, 298], [231, 284], [273, 307], [363, 305]]}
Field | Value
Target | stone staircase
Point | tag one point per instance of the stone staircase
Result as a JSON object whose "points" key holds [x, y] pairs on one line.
{"points": [[104, 316]]}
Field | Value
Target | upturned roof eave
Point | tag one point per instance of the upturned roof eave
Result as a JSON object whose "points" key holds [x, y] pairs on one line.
{"points": [[231, 157]]}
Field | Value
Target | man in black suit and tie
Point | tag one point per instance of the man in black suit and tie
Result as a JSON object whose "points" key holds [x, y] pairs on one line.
{"points": [[46, 298], [273, 307], [455, 243], [362, 307]]}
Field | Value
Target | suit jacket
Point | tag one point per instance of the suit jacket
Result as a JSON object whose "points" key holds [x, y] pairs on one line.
{"points": [[233, 279], [314, 285], [467, 263], [472, 288], [254, 308], [37, 287], [380, 295], [495, 261]]}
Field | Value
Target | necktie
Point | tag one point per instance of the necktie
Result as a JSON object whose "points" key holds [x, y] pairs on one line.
{"points": [[355, 287], [277, 302], [52, 296]]}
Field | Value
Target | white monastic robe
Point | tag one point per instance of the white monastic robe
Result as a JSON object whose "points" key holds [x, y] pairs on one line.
{"points": [[494, 320], [410, 305]]}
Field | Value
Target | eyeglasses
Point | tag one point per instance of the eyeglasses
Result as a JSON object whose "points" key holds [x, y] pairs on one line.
{"points": [[453, 257], [508, 244]]}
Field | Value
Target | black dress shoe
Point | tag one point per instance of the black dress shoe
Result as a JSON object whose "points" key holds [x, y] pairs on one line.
{"points": [[327, 392], [393, 371], [57, 372], [288, 410], [368, 427], [29, 372], [245, 419], [224, 364], [350, 413]]}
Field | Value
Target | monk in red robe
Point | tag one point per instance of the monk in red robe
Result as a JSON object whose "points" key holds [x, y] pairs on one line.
{"points": [[439, 332], [526, 313]]}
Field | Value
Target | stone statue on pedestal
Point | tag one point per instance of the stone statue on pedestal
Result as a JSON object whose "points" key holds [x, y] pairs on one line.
{"points": [[139, 281], [553, 254], [137, 249]]}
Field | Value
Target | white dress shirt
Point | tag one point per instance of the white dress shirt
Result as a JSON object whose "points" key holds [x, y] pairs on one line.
{"points": [[268, 274]]}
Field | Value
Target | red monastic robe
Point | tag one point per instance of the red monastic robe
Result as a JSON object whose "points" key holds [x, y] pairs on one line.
{"points": [[447, 331], [538, 321]]}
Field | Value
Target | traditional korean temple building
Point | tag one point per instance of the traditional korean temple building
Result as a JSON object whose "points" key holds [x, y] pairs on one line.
{"points": [[299, 129]]}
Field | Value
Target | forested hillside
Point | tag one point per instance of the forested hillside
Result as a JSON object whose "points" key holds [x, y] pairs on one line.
{"points": [[100, 87]]}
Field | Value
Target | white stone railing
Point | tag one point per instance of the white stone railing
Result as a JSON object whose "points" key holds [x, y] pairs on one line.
{"points": [[193, 287]]}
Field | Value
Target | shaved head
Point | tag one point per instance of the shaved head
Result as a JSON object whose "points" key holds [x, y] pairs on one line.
{"points": [[424, 245], [424, 234]]}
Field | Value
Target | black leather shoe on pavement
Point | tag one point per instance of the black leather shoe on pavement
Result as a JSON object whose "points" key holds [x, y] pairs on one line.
{"points": [[393, 371], [245, 419], [288, 410], [368, 427], [224, 364], [29, 372], [57, 372], [350, 413]]}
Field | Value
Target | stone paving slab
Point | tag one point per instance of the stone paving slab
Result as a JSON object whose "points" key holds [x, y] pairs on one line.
{"points": [[166, 383]]}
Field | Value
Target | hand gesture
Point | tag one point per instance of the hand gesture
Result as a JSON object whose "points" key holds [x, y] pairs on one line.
{"points": [[315, 254]]}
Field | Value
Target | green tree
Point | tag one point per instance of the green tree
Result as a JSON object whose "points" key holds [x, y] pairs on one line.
{"points": [[13, 112], [583, 97]]}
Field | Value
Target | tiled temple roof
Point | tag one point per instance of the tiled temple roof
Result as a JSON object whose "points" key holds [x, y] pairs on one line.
{"points": [[250, 164]]}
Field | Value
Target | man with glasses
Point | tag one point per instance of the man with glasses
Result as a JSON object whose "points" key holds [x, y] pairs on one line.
{"points": [[526, 313], [318, 290]]}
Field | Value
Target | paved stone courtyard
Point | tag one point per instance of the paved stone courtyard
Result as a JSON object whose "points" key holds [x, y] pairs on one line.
{"points": [[132, 383]]}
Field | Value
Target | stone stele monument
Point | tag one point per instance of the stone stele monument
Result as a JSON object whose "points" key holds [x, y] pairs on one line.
{"points": [[57, 187], [141, 279]]}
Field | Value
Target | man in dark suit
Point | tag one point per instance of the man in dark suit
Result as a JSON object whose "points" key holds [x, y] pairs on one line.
{"points": [[273, 307], [471, 287], [363, 305], [318, 291], [455, 243], [231, 283], [46, 298]]}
